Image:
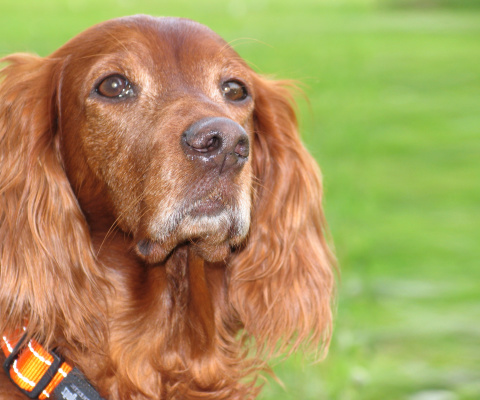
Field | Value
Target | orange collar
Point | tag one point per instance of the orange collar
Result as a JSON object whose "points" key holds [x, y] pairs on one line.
{"points": [[35, 371]]}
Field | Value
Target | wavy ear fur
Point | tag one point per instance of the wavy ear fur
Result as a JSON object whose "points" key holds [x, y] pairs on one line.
{"points": [[48, 272], [282, 281]]}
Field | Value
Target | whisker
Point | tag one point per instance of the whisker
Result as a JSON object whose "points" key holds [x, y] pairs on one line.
{"points": [[117, 40], [114, 225], [243, 40]]}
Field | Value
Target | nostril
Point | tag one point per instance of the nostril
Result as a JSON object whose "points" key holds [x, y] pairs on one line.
{"points": [[242, 149], [203, 142], [213, 144]]}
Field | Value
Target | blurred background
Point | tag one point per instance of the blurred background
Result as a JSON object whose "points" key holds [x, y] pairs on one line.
{"points": [[393, 119]]}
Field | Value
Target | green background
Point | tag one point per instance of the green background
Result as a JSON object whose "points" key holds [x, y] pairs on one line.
{"points": [[393, 118]]}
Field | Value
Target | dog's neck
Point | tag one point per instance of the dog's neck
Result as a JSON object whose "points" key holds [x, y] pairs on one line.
{"points": [[166, 311]]}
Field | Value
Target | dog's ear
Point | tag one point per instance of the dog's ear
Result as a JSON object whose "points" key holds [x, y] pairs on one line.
{"points": [[48, 271], [282, 281]]}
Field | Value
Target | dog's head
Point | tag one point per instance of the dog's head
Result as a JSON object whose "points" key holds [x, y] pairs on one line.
{"points": [[157, 119]]}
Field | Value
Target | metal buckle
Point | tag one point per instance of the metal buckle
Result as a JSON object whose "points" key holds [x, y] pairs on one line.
{"points": [[47, 376]]}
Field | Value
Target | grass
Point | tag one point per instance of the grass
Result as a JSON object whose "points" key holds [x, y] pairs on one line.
{"points": [[394, 120]]}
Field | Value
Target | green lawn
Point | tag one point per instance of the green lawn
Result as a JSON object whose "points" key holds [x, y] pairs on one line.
{"points": [[394, 121]]}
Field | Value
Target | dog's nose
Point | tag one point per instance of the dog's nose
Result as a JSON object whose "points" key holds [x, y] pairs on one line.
{"points": [[216, 142]]}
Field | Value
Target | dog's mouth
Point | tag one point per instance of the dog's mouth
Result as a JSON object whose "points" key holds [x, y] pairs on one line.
{"points": [[211, 225]]}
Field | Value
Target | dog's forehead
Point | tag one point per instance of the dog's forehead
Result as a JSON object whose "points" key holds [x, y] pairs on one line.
{"points": [[150, 34]]}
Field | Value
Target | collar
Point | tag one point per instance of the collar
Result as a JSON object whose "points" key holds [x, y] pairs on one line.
{"points": [[40, 374]]}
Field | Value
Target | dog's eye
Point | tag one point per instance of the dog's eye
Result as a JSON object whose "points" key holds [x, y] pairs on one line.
{"points": [[115, 86], [234, 91]]}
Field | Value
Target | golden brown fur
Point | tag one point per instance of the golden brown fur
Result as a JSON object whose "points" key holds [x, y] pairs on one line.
{"points": [[104, 250]]}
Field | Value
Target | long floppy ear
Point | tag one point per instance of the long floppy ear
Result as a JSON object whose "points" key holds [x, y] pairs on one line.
{"points": [[48, 271], [282, 281]]}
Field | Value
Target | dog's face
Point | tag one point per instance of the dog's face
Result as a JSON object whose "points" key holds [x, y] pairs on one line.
{"points": [[155, 118]]}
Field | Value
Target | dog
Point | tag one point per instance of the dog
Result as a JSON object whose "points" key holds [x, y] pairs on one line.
{"points": [[161, 227]]}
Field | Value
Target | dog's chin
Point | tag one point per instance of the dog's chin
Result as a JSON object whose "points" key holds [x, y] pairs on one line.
{"points": [[212, 238], [154, 252]]}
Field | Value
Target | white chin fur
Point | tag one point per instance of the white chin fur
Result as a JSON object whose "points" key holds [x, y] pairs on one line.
{"points": [[230, 225]]}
